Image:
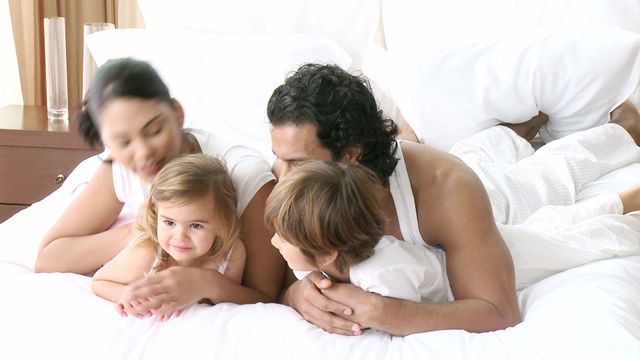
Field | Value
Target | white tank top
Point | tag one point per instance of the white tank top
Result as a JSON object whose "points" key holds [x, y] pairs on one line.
{"points": [[400, 187]]}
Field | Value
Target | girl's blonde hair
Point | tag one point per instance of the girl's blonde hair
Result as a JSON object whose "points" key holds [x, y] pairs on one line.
{"points": [[185, 179], [324, 206]]}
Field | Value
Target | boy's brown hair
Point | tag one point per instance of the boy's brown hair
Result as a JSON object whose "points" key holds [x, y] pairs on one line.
{"points": [[322, 206]]}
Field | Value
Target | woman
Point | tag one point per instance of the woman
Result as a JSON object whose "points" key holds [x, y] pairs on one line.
{"points": [[130, 111]]}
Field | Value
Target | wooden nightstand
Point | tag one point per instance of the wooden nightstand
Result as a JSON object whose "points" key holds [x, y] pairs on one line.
{"points": [[34, 160]]}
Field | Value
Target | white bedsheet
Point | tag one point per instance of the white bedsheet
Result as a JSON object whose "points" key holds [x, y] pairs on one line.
{"points": [[589, 312]]}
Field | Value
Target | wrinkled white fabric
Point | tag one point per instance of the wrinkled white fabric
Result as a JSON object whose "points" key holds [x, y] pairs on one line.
{"points": [[519, 181]]}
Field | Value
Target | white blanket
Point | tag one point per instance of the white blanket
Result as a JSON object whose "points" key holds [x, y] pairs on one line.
{"points": [[589, 312]]}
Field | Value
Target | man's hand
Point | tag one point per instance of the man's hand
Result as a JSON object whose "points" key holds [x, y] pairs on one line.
{"points": [[365, 305], [167, 292], [305, 296]]}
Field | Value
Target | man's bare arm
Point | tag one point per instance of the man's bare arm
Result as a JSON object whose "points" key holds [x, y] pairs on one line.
{"points": [[453, 211], [479, 268]]}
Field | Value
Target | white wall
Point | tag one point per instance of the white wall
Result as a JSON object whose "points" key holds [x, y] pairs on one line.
{"points": [[10, 91]]}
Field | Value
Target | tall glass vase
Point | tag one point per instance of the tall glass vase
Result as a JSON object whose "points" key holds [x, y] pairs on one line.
{"points": [[88, 64], [55, 55]]}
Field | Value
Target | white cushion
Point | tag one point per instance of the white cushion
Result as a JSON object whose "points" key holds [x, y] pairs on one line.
{"points": [[575, 75], [438, 23], [223, 82], [347, 23]]}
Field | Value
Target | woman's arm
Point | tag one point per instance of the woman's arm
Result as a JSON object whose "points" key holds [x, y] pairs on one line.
{"points": [[78, 242]]}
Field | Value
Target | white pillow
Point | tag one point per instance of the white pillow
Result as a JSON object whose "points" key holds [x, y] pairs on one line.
{"points": [[347, 23], [437, 23], [575, 75], [223, 82]]}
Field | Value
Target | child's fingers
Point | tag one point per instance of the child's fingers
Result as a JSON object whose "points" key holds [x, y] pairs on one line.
{"points": [[120, 310], [140, 308]]}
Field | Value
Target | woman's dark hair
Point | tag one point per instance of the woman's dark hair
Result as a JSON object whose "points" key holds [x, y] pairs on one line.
{"points": [[118, 78], [344, 111]]}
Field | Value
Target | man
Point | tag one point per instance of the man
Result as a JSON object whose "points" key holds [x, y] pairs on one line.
{"points": [[432, 198]]}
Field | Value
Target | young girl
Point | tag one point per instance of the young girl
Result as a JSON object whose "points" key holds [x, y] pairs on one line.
{"points": [[190, 221], [327, 218], [130, 111]]}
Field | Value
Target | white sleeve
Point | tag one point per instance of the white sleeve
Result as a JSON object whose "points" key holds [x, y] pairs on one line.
{"points": [[402, 281], [249, 172], [402, 270], [129, 188]]}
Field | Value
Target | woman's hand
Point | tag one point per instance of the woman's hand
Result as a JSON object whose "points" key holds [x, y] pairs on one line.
{"points": [[168, 292], [305, 296]]}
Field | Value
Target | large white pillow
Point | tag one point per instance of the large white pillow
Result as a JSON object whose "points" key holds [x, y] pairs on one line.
{"points": [[347, 23], [223, 82], [438, 23], [575, 75]]}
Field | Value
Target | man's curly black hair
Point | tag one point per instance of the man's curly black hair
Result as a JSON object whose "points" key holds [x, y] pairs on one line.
{"points": [[344, 111]]}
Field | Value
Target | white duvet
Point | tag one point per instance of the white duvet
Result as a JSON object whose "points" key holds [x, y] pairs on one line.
{"points": [[588, 312]]}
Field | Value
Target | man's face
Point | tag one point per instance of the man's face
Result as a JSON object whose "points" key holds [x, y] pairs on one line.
{"points": [[293, 144]]}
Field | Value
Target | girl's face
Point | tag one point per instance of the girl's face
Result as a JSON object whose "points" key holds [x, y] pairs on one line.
{"points": [[186, 232], [295, 259], [143, 135]]}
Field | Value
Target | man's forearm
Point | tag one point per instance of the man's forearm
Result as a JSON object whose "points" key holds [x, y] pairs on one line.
{"points": [[401, 317]]}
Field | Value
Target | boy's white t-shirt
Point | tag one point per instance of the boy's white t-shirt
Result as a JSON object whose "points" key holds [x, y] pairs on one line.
{"points": [[248, 170], [400, 270]]}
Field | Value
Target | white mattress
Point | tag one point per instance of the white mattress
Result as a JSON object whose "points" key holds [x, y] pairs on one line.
{"points": [[589, 312]]}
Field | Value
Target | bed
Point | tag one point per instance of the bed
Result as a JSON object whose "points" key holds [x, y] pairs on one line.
{"points": [[587, 312]]}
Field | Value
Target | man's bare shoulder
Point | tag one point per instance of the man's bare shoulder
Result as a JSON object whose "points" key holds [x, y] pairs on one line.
{"points": [[430, 169], [447, 193]]}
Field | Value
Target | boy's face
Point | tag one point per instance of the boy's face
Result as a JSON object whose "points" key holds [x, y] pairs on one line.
{"points": [[296, 260]]}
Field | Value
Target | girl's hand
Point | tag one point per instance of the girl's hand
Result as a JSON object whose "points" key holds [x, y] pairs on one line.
{"points": [[134, 308], [168, 291], [164, 315]]}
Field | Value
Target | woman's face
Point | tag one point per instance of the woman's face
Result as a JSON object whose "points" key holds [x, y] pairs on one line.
{"points": [[143, 135]]}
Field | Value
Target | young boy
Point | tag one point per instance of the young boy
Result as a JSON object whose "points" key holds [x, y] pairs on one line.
{"points": [[327, 217]]}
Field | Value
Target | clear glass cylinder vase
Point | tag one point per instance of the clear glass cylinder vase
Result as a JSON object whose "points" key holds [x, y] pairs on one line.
{"points": [[55, 55]]}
